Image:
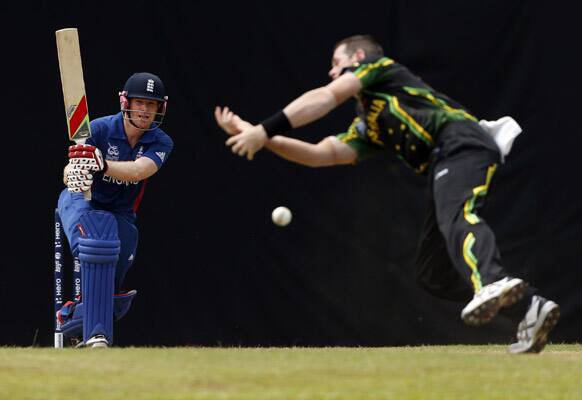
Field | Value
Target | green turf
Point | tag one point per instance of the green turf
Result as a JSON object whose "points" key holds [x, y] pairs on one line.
{"points": [[431, 372]]}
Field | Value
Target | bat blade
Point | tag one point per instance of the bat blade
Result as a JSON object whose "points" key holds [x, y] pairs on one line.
{"points": [[73, 84]]}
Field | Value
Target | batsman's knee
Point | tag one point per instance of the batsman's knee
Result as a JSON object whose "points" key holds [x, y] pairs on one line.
{"points": [[99, 242]]}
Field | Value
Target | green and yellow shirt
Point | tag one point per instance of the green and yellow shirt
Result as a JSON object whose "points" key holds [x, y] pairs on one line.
{"points": [[398, 111]]}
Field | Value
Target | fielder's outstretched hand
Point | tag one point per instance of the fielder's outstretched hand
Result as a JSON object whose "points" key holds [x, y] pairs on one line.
{"points": [[249, 141], [229, 121], [246, 139]]}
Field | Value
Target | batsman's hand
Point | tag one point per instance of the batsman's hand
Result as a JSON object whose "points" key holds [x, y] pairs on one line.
{"points": [[77, 179], [249, 141], [229, 121], [87, 157]]}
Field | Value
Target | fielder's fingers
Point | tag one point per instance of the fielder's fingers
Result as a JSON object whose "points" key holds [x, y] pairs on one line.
{"points": [[217, 114], [236, 147], [243, 151], [232, 140]]}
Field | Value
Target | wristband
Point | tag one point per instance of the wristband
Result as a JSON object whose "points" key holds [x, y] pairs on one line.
{"points": [[276, 123]]}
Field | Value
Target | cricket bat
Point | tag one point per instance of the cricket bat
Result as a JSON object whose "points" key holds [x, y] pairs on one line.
{"points": [[73, 85]]}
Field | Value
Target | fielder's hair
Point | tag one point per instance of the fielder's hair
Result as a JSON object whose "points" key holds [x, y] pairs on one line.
{"points": [[364, 42]]}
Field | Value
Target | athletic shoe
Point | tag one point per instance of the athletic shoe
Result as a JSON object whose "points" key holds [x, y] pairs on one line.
{"points": [[487, 301], [533, 330], [97, 341]]}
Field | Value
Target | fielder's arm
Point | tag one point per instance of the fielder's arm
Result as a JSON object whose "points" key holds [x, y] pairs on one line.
{"points": [[307, 108], [317, 103], [330, 151]]}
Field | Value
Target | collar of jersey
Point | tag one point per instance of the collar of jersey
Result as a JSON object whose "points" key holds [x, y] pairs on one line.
{"points": [[355, 66]]}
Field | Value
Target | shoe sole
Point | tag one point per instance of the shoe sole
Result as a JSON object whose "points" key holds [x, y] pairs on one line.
{"points": [[550, 320], [99, 346], [489, 309], [97, 343], [82, 345]]}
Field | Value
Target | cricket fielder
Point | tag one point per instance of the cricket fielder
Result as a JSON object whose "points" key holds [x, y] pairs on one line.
{"points": [[124, 150], [437, 137]]}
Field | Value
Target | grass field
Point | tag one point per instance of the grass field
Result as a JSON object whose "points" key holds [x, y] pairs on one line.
{"points": [[430, 372]]}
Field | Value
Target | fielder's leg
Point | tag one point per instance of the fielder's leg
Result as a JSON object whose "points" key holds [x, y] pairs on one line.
{"points": [[435, 272], [99, 248], [460, 184]]}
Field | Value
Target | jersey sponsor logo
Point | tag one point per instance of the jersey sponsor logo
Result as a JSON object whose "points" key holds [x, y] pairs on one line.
{"points": [[150, 86], [112, 152], [110, 179], [372, 120], [161, 154], [441, 173]]}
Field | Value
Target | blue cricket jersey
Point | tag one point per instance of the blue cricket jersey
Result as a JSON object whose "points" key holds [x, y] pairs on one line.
{"points": [[108, 134]]}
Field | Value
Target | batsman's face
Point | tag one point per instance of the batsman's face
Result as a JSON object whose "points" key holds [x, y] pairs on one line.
{"points": [[143, 111], [340, 60]]}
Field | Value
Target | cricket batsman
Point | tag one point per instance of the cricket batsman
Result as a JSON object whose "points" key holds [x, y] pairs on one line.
{"points": [[124, 151], [398, 112]]}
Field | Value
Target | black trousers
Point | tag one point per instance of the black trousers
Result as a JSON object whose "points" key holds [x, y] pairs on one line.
{"points": [[458, 254]]}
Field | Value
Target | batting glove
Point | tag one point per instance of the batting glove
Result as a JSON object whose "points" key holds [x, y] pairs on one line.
{"points": [[78, 179], [87, 157]]}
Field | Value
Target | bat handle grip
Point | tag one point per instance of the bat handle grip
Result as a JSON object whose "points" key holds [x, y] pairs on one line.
{"points": [[87, 194]]}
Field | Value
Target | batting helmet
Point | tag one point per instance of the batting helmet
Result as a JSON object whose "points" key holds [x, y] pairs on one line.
{"points": [[144, 85]]}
